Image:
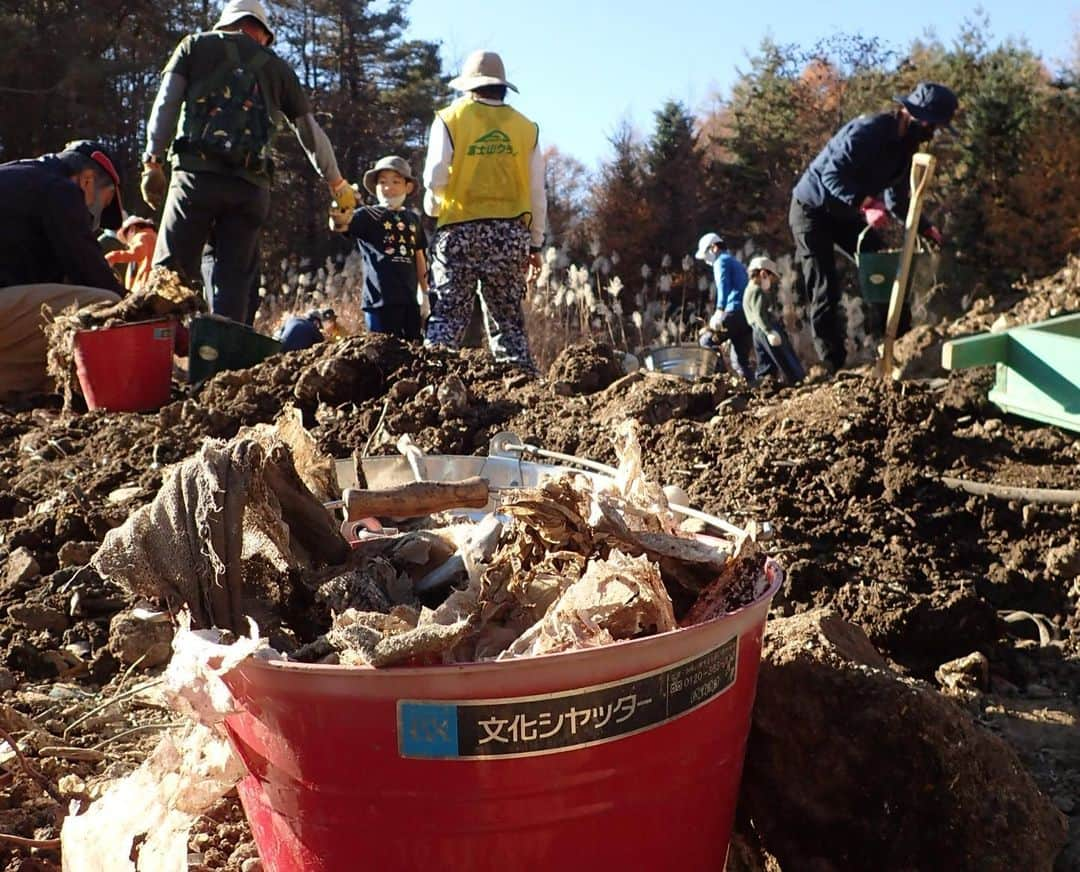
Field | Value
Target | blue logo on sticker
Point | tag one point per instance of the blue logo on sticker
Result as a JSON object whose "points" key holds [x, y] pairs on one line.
{"points": [[427, 729]]}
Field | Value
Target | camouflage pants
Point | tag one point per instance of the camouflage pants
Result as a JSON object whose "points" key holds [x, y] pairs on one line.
{"points": [[490, 256]]}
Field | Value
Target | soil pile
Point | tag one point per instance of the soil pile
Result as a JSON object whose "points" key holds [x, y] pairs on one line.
{"points": [[919, 352]]}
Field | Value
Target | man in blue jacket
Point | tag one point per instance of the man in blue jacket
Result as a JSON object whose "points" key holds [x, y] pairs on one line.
{"points": [[837, 197], [51, 209], [731, 280]]}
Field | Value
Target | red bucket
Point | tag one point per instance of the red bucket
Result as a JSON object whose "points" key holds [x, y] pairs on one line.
{"points": [[626, 756], [126, 368]]}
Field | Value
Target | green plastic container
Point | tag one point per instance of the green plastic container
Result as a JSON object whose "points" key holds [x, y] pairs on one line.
{"points": [[218, 344], [878, 269]]}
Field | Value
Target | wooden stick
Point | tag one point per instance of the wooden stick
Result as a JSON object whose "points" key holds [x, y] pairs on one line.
{"points": [[43, 844], [922, 169], [1049, 496], [415, 499]]}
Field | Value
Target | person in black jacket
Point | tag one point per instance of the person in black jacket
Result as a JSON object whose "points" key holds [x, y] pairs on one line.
{"points": [[51, 208], [838, 196]]}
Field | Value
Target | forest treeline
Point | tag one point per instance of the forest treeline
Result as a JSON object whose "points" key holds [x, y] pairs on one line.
{"points": [[1005, 194]]}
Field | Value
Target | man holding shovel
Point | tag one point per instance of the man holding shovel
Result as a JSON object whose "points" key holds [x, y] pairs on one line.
{"points": [[858, 179]]}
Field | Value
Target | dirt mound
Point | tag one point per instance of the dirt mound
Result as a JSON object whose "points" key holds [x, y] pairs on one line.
{"points": [[919, 352], [585, 369], [932, 791]]}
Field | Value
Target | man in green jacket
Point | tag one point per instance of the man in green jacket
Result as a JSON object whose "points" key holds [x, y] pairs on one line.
{"points": [[229, 92]]}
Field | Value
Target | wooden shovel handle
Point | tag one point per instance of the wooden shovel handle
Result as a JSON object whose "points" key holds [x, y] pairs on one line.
{"points": [[416, 498]]}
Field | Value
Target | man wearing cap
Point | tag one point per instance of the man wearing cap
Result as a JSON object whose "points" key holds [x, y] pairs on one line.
{"points": [[837, 197], [392, 242], [485, 186], [730, 277], [229, 92], [51, 208]]}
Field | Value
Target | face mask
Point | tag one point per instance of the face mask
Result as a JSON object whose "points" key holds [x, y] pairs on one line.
{"points": [[391, 202], [96, 209], [765, 283], [918, 133], [710, 257]]}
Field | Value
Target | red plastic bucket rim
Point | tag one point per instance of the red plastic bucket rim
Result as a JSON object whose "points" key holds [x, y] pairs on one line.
{"points": [[169, 321], [773, 570]]}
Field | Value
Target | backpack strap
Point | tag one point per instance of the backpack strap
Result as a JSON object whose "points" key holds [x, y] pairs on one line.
{"points": [[231, 62]]}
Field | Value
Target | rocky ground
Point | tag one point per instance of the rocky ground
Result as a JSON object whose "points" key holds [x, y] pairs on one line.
{"points": [[848, 471]]}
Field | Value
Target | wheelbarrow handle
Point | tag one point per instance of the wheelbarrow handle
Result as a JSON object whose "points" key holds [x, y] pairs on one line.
{"points": [[414, 499]]}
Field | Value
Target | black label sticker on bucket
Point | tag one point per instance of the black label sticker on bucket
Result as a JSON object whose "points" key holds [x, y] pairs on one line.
{"points": [[550, 723]]}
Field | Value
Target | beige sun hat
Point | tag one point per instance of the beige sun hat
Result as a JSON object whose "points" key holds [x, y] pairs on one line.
{"points": [[480, 69], [234, 10], [763, 263], [390, 162], [129, 225]]}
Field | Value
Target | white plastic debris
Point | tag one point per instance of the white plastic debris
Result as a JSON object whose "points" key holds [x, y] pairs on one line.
{"points": [[190, 769]]}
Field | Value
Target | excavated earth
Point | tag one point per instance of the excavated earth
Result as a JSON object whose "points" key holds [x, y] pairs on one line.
{"points": [[847, 471]]}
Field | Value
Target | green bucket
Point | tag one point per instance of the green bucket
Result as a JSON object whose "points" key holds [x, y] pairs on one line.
{"points": [[878, 270], [218, 344]]}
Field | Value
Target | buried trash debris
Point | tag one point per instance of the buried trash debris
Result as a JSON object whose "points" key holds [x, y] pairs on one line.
{"points": [[574, 563], [577, 561]]}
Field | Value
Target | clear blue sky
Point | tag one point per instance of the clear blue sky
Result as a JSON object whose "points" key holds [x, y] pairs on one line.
{"points": [[583, 65]]}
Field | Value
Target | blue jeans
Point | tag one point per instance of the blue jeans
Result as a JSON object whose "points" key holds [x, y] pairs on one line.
{"points": [[780, 360]]}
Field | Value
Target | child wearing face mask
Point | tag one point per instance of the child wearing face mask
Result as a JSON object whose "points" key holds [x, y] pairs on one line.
{"points": [[392, 241], [771, 344]]}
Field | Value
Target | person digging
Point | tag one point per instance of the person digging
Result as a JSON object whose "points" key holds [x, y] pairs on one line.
{"points": [[772, 347], [859, 178], [51, 209]]}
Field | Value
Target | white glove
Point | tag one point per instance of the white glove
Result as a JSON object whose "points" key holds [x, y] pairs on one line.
{"points": [[716, 321], [424, 301], [774, 339]]}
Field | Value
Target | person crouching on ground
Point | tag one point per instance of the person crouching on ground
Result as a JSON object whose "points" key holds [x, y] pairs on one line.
{"points": [[51, 209], [138, 236], [391, 240], [730, 277], [485, 184], [304, 331], [775, 355]]}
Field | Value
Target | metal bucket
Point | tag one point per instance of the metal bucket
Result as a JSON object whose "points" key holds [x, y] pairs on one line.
{"points": [[690, 362], [628, 755]]}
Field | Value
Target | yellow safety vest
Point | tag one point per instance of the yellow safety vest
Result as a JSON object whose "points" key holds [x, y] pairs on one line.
{"points": [[489, 175]]}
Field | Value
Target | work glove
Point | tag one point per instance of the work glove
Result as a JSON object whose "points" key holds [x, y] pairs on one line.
{"points": [[774, 339], [344, 195], [875, 213], [153, 186], [934, 235], [340, 219], [716, 321]]}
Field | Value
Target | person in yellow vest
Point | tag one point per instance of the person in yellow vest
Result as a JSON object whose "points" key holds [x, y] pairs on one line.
{"points": [[484, 177]]}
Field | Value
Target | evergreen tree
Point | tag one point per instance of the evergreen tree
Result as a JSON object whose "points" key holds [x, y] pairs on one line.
{"points": [[672, 183]]}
